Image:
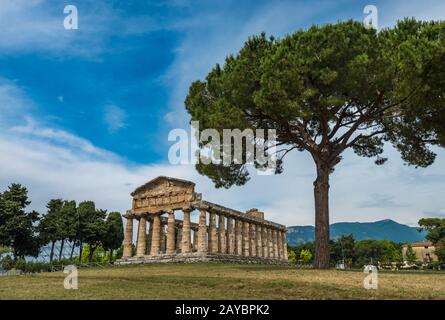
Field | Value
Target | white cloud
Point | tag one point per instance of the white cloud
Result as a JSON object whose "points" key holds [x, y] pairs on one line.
{"points": [[37, 26], [114, 117]]}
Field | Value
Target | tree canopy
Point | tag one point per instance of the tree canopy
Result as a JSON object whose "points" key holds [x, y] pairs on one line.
{"points": [[327, 89], [17, 226]]}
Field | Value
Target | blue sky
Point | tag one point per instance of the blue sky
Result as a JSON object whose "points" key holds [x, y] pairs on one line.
{"points": [[86, 113]]}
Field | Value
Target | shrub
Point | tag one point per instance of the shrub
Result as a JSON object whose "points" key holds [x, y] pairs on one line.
{"points": [[7, 263]]}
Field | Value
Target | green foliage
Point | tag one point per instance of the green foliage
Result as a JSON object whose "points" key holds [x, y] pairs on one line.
{"points": [[343, 249], [327, 89], [311, 84], [410, 255], [7, 263], [374, 251], [291, 257], [91, 227], [97, 255], [17, 227], [305, 256], [114, 234], [4, 250], [436, 234]]}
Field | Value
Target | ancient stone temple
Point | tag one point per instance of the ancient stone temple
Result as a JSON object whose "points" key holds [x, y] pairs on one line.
{"points": [[222, 234]]}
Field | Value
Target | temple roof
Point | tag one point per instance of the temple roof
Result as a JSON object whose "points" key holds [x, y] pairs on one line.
{"points": [[157, 180]]}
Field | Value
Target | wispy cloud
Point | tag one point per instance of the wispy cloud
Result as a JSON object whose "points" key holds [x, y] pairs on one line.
{"points": [[379, 200], [114, 117]]}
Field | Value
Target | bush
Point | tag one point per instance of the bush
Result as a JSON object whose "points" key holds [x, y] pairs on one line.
{"points": [[7, 263], [20, 264]]}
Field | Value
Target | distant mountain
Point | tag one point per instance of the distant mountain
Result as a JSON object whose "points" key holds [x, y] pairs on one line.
{"points": [[379, 230]]}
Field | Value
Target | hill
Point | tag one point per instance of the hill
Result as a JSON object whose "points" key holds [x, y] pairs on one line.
{"points": [[379, 230]]}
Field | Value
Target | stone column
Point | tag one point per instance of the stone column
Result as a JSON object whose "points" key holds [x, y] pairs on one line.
{"points": [[171, 233], [221, 234], [149, 236], [202, 247], [156, 238], [142, 234], [252, 240], [285, 246], [269, 243], [163, 239], [195, 240], [280, 245], [238, 237], [213, 237], [186, 232], [259, 242], [246, 240], [128, 238], [230, 236], [265, 242], [178, 240], [275, 244]]}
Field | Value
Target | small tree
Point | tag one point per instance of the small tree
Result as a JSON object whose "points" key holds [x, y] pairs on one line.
{"points": [[291, 256], [114, 234], [66, 229], [410, 255], [92, 225], [436, 234], [305, 256], [343, 249], [49, 226], [18, 227]]}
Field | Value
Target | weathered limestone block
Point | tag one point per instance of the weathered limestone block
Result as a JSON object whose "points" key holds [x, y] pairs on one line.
{"points": [[202, 247], [230, 236], [156, 238], [128, 238], [195, 240], [163, 237], [171, 233], [186, 248], [270, 243], [285, 246], [238, 237], [259, 243], [178, 240], [252, 237], [246, 240], [142, 234], [149, 236], [213, 237], [265, 242], [275, 244], [221, 234], [280, 245]]}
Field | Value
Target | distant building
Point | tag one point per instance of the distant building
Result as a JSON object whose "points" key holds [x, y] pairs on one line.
{"points": [[424, 251]]}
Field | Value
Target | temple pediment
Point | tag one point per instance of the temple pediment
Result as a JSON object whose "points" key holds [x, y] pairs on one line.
{"points": [[163, 193]]}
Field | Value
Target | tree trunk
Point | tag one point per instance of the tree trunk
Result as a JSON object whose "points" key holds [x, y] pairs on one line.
{"points": [[61, 249], [92, 249], [321, 195], [73, 246], [111, 256], [80, 252], [51, 255]]}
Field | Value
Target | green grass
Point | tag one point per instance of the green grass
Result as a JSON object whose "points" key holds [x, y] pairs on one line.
{"points": [[221, 281]]}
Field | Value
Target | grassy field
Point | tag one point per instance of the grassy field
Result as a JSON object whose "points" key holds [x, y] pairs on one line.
{"points": [[221, 281]]}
